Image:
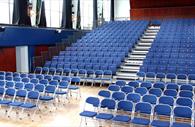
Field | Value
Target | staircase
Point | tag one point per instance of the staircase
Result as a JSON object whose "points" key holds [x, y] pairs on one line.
{"points": [[132, 63]]}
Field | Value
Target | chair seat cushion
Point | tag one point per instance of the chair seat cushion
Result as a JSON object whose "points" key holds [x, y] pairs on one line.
{"points": [[73, 87], [104, 116], [158, 123], [46, 98], [122, 118], [15, 103], [140, 121], [181, 125], [61, 92], [28, 105], [5, 101], [88, 114]]}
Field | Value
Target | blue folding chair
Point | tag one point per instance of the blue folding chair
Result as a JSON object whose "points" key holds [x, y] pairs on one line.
{"points": [[94, 102], [127, 89], [182, 113], [141, 90], [183, 101], [147, 85], [168, 100], [152, 99], [155, 91], [159, 85], [162, 110], [125, 106], [104, 93], [140, 109], [170, 92], [118, 96], [120, 83], [134, 84], [134, 97], [113, 88]]}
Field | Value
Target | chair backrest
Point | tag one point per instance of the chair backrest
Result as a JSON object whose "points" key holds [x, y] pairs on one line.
{"points": [[143, 107], [108, 103], [25, 80], [40, 87], [141, 90], [172, 93], [155, 91], [93, 101], [19, 85], [65, 78], [33, 95], [147, 85], [159, 85], [118, 96], [134, 84], [127, 89], [134, 97], [21, 93], [182, 101], [152, 99], [44, 81], [120, 83], [76, 80], [34, 81], [54, 83], [10, 92], [172, 86], [29, 86], [186, 93], [186, 87], [114, 88], [50, 89], [2, 83], [125, 105], [166, 100], [162, 109], [182, 111], [10, 84], [104, 93]]}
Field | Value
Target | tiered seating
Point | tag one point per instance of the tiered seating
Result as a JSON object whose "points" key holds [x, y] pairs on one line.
{"points": [[33, 91], [101, 50], [172, 53], [157, 104]]}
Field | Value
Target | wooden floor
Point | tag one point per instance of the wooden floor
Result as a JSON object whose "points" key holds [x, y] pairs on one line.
{"points": [[65, 116]]}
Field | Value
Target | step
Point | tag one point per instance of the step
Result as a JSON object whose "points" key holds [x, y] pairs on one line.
{"points": [[150, 34], [154, 27], [127, 79], [130, 67], [152, 31], [133, 64], [140, 48], [144, 44], [146, 40], [148, 37], [139, 52], [125, 74], [136, 56], [128, 70]]}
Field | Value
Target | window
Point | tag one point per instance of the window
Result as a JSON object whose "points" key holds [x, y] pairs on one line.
{"points": [[6, 11], [53, 10]]}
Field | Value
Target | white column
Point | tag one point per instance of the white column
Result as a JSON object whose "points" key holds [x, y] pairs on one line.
{"points": [[22, 61], [34, 10]]}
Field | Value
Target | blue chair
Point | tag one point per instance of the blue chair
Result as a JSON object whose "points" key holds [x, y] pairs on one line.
{"points": [[98, 76], [107, 77], [152, 99], [140, 109], [2, 83], [34, 81], [147, 85], [170, 92], [48, 77], [90, 76], [134, 97], [120, 83], [23, 75], [52, 71], [65, 78], [44, 82], [9, 78], [59, 71], [104, 93], [2, 77], [168, 100], [29, 86], [94, 101], [43, 97], [191, 78], [150, 76], [2, 73], [110, 105], [66, 71], [181, 113], [161, 110], [127, 89], [9, 84], [17, 79], [125, 106], [39, 76], [160, 76], [182, 101], [57, 77], [113, 88], [73, 87], [25, 80], [141, 75], [141, 90], [172, 86], [159, 85], [31, 76], [118, 96], [155, 91], [134, 84], [19, 85], [182, 78], [187, 87], [171, 76], [186, 93], [82, 74]]}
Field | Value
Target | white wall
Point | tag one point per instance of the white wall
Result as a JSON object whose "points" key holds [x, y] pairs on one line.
{"points": [[122, 9], [22, 59]]}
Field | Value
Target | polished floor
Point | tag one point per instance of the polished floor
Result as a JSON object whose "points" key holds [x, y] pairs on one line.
{"points": [[64, 116]]}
